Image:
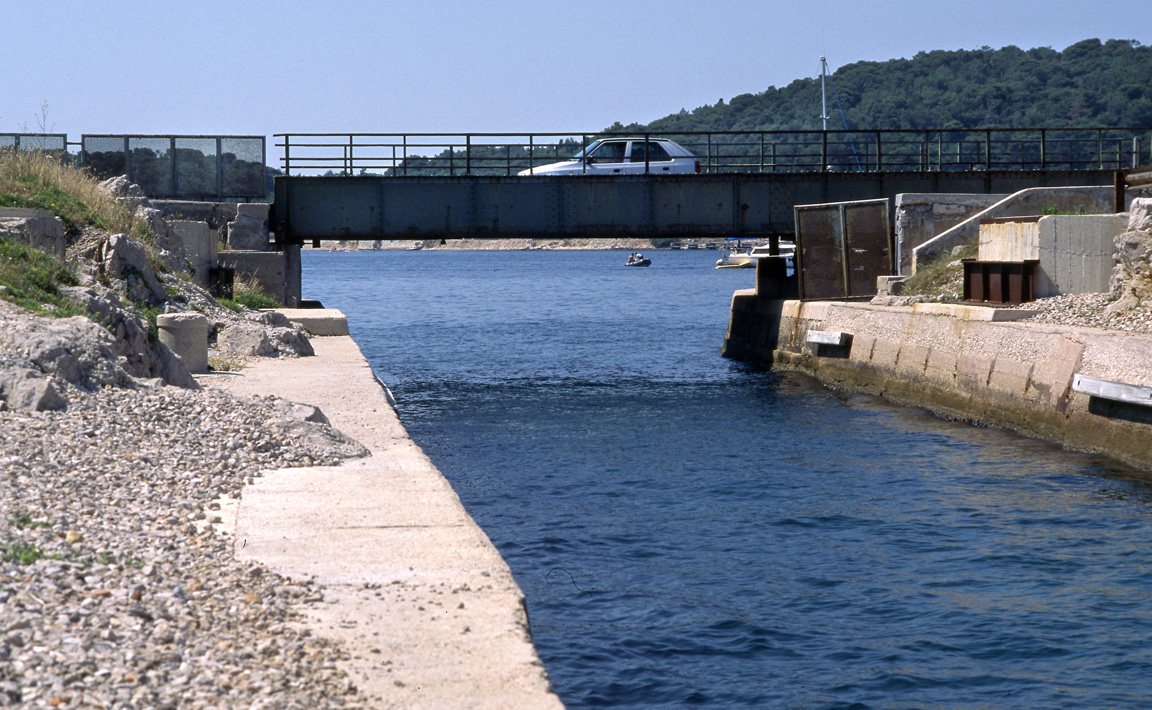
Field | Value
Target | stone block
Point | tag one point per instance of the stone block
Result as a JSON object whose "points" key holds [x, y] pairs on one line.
{"points": [[861, 351], [1051, 382], [885, 353], [1010, 377], [912, 360], [972, 371], [941, 365]]}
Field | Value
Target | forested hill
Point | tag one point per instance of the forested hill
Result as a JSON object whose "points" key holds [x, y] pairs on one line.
{"points": [[1091, 83]]}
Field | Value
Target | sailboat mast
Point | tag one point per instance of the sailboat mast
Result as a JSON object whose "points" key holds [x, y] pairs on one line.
{"points": [[823, 92]]}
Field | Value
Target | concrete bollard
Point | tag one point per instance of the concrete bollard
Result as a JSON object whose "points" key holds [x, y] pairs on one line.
{"points": [[186, 334]]}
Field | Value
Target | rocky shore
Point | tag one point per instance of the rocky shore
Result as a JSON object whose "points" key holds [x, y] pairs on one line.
{"points": [[116, 588]]}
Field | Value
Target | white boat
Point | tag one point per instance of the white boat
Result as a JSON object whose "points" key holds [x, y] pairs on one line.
{"points": [[739, 256]]}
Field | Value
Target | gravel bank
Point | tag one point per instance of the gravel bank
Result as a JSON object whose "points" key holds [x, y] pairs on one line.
{"points": [[115, 590], [1086, 310]]}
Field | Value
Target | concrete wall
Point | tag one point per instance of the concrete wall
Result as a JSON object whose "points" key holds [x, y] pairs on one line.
{"points": [[39, 229], [1077, 253], [1032, 201], [200, 247], [269, 268], [921, 216], [962, 362]]}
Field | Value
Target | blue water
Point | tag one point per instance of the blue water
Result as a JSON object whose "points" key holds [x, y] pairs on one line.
{"points": [[692, 532]]}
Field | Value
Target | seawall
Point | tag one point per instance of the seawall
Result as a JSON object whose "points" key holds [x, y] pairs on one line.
{"points": [[414, 590], [963, 362]]}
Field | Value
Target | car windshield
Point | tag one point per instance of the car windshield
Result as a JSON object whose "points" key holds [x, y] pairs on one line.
{"points": [[591, 147]]}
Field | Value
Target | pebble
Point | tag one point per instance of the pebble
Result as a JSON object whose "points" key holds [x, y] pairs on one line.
{"points": [[114, 589]]}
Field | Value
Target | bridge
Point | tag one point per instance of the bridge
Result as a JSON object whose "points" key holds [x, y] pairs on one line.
{"points": [[443, 186]]}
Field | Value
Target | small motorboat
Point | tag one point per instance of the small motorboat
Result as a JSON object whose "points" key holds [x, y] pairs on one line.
{"points": [[738, 256], [642, 261]]}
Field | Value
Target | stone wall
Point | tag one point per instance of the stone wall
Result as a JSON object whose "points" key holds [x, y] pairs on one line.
{"points": [[963, 362]]}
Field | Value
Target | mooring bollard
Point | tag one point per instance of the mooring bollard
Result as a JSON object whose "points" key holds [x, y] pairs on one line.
{"points": [[186, 334]]}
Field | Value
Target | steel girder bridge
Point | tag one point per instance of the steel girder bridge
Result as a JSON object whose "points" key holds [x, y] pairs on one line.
{"points": [[425, 186]]}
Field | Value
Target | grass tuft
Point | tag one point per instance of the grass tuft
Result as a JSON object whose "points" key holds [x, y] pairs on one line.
{"points": [[943, 277], [32, 279]]}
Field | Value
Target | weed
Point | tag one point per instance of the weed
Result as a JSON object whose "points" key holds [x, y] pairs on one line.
{"points": [[22, 553], [25, 521], [942, 277], [32, 280]]}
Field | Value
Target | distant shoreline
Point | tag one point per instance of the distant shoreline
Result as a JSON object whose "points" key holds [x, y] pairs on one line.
{"points": [[621, 244]]}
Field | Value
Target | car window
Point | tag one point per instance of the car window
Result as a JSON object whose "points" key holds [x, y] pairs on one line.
{"points": [[656, 152], [609, 152]]}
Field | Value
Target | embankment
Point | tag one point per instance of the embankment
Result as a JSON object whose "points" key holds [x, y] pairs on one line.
{"points": [[960, 362], [414, 590]]}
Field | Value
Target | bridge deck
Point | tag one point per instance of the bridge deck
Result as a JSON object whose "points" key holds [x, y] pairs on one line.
{"points": [[311, 208]]}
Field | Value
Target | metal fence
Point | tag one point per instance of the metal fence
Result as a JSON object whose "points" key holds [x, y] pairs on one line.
{"points": [[34, 141], [841, 247], [428, 154], [181, 167]]}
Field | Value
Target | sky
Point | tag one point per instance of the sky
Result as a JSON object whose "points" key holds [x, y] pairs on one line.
{"points": [[260, 67]]}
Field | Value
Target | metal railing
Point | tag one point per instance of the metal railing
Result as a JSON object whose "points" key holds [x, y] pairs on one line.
{"points": [[496, 154], [181, 166]]}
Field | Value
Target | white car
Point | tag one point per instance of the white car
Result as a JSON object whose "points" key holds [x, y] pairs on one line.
{"points": [[624, 156]]}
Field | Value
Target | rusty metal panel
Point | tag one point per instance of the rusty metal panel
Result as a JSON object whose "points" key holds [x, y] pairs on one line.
{"points": [[868, 245], [820, 253], [842, 247]]}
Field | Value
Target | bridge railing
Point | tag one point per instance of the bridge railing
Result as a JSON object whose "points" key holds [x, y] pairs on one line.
{"points": [[505, 154]]}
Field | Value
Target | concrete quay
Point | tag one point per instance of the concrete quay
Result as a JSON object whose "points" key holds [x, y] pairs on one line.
{"points": [[414, 589], [971, 363]]}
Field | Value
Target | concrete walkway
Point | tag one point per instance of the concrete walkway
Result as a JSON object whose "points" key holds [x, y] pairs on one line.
{"points": [[426, 606]]}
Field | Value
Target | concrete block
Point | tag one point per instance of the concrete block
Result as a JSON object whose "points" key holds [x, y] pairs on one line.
{"points": [[973, 313], [885, 353], [912, 359], [1051, 382], [1010, 376], [199, 246], [186, 334], [861, 351], [972, 371], [318, 321], [267, 267], [941, 365], [1076, 253]]}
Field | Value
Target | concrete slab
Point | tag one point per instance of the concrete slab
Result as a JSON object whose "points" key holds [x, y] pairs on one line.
{"points": [[427, 608], [321, 322]]}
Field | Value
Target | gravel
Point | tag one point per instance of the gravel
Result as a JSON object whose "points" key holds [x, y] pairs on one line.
{"points": [[117, 591], [1087, 310]]}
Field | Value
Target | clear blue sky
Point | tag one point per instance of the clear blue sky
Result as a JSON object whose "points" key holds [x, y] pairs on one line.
{"points": [[263, 66]]}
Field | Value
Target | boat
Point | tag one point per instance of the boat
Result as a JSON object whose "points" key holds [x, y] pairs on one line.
{"points": [[738, 255], [643, 261]]}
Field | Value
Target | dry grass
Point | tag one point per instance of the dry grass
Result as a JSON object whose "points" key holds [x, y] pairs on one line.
{"points": [[43, 181], [941, 278]]}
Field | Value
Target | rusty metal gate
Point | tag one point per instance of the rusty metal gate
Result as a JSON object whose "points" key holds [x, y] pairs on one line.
{"points": [[841, 247]]}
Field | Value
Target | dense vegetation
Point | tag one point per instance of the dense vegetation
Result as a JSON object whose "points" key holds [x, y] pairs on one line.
{"points": [[1091, 83]]}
